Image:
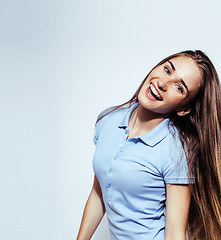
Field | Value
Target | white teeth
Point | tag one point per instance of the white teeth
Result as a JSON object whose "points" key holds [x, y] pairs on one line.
{"points": [[154, 91]]}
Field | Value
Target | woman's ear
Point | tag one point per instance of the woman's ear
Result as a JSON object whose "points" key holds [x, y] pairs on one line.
{"points": [[183, 112]]}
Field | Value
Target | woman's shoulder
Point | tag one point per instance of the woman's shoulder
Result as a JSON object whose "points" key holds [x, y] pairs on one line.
{"points": [[108, 119]]}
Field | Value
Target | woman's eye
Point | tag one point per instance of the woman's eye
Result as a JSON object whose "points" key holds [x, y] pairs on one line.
{"points": [[167, 70], [179, 88]]}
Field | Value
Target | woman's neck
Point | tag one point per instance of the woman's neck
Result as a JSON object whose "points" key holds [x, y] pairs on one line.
{"points": [[143, 120]]}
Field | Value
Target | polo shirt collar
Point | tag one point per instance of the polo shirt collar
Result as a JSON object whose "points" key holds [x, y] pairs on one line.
{"points": [[157, 134], [153, 137]]}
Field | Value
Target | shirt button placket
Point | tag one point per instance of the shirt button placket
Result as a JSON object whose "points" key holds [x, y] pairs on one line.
{"points": [[108, 192], [109, 172], [109, 184]]}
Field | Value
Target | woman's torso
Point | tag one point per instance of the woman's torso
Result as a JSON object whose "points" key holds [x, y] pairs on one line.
{"points": [[133, 174]]}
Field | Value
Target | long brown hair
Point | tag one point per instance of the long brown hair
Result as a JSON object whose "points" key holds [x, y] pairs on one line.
{"points": [[200, 135]]}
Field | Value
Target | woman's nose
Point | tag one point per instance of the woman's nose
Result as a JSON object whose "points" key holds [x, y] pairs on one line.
{"points": [[163, 84]]}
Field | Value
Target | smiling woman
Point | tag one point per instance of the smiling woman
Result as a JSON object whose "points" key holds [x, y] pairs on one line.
{"points": [[170, 86], [157, 162]]}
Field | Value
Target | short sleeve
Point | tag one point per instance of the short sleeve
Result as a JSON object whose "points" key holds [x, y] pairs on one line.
{"points": [[176, 169], [98, 125], [176, 173]]}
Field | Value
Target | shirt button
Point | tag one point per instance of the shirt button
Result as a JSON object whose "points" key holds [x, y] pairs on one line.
{"points": [[109, 171], [126, 131], [108, 185]]}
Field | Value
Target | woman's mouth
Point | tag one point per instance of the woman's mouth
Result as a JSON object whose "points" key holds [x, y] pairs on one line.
{"points": [[153, 94]]}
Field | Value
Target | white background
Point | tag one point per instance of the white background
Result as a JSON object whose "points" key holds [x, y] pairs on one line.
{"points": [[61, 64]]}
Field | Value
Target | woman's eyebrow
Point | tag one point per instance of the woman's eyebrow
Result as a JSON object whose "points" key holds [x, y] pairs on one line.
{"points": [[181, 80], [174, 69], [184, 84]]}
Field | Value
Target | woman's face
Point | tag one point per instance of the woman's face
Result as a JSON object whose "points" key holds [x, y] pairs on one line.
{"points": [[170, 86]]}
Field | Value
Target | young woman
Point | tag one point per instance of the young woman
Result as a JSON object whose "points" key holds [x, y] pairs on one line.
{"points": [[158, 157]]}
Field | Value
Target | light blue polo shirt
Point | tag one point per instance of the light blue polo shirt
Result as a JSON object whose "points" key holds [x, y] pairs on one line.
{"points": [[133, 174]]}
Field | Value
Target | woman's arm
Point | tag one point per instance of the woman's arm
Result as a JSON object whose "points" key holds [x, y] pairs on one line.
{"points": [[93, 213], [177, 209]]}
